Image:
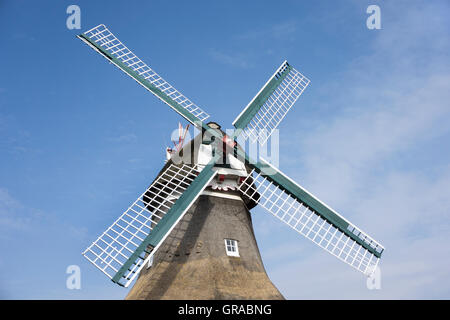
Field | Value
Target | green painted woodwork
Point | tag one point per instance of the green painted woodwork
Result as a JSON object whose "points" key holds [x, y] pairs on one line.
{"points": [[180, 206], [172, 103], [260, 99]]}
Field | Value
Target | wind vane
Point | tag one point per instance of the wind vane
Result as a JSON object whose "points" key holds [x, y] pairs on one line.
{"points": [[177, 144]]}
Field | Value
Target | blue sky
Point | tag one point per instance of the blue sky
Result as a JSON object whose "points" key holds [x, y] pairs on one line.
{"points": [[79, 140]]}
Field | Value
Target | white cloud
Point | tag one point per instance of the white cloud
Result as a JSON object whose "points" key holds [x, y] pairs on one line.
{"points": [[280, 31], [363, 160], [36, 249], [351, 145], [125, 138], [17, 218], [135, 160], [10, 217], [232, 59]]}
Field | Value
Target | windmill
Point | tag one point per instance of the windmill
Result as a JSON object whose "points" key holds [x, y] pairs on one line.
{"points": [[190, 200], [178, 145]]}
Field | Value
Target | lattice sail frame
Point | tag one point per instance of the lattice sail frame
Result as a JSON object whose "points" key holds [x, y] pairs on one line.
{"points": [[271, 104], [108, 42], [120, 241], [263, 114], [312, 225]]}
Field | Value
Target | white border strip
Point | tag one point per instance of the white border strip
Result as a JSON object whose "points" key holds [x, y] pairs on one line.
{"points": [[248, 105], [222, 195]]}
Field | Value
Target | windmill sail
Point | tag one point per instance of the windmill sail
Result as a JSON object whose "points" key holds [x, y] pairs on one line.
{"points": [[105, 43], [122, 250], [307, 215], [132, 240], [266, 110]]}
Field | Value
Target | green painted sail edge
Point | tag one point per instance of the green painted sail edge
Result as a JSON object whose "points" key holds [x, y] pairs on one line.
{"points": [[288, 186], [259, 101], [180, 206], [183, 112]]}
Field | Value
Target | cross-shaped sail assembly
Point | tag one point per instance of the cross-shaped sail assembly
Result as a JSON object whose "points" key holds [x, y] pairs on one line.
{"points": [[124, 248]]}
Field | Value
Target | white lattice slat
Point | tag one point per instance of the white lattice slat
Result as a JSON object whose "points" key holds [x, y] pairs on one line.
{"points": [[277, 105], [116, 245], [102, 37], [311, 225]]}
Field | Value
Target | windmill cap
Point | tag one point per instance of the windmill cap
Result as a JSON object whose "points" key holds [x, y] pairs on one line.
{"points": [[213, 125]]}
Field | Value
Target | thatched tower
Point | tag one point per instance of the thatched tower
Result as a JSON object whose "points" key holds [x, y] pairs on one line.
{"points": [[211, 254]]}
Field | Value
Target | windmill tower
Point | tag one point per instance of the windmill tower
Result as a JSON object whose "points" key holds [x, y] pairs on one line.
{"points": [[212, 252], [189, 235]]}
